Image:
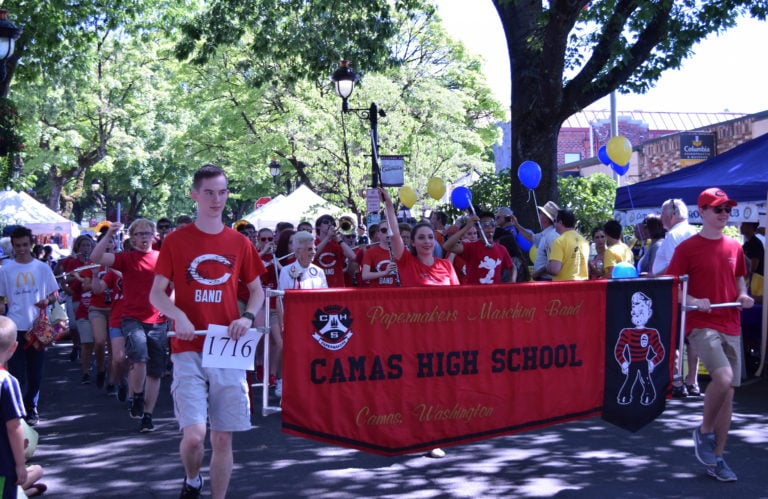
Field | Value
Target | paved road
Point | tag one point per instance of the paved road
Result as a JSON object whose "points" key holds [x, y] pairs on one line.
{"points": [[89, 447]]}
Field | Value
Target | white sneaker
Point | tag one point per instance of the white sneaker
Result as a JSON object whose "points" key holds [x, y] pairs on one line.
{"points": [[437, 453], [279, 387]]}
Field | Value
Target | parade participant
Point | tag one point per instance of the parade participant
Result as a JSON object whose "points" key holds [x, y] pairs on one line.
{"points": [[378, 268], [303, 273], [81, 253], [616, 251], [203, 262], [110, 283], [569, 254], [420, 266], [145, 329], [405, 234], [164, 227], [484, 265], [305, 226], [716, 270], [97, 314], [543, 240], [27, 286], [332, 251]]}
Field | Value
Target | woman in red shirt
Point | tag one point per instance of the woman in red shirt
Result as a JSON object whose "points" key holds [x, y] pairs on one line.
{"points": [[420, 266]]}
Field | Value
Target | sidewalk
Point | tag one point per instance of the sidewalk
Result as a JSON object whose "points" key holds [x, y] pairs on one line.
{"points": [[89, 447]]}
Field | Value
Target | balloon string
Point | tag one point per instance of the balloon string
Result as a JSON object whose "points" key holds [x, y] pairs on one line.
{"points": [[531, 192]]}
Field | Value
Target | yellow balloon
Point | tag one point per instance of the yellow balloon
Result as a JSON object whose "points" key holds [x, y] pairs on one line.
{"points": [[436, 188], [407, 196], [619, 150], [532, 253]]}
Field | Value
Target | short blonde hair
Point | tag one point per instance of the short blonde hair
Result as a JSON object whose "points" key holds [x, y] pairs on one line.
{"points": [[141, 222], [7, 333]]}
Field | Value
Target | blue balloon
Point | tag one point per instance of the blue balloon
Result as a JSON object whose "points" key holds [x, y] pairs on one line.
{"points": [[524, 243], [602, 154], [461, 198], [529, 174], [620, 170], [624, 270]]}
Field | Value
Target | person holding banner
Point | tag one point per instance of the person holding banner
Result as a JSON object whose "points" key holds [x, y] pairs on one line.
{"points": [[420, 266], [203, 262], [484, 265], [716, 270]]}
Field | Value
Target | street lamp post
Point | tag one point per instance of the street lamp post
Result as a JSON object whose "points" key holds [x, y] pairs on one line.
{"points": [[344, 79], [9, 33], [274, 170]]}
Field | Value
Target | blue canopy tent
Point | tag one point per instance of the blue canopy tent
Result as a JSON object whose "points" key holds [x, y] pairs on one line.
{"points": [[742, 172]]}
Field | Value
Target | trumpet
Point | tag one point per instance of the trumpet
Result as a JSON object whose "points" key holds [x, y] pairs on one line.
{"points": [[346, 226]]}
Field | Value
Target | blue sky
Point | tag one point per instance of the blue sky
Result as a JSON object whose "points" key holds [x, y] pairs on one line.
{"points": [[726, 72]]}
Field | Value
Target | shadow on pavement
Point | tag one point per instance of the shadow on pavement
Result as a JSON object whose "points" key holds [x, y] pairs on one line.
{"points": [[89, 447]]}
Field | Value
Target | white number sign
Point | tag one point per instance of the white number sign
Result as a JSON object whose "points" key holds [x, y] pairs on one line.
{"points": [[222, 351]]}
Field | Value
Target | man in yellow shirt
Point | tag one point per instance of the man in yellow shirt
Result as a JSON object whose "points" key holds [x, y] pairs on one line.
{"points": [[569, 254], [616, 251]]}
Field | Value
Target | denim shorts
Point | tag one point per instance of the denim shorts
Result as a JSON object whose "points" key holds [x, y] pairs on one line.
{"points": [[146, 343]]}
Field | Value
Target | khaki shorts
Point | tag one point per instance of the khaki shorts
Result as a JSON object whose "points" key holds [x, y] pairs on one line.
{"points": [[201, 393], [85, 331], [717, 350]]}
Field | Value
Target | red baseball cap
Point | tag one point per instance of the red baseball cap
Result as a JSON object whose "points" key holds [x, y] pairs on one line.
{"points": [[714, 196]]}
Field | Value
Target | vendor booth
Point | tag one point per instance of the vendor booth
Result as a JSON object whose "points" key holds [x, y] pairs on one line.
{"points": [[48, 227]]}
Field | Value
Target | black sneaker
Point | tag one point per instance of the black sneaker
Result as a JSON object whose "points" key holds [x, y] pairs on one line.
{"points": [[679, 392], [122, 392], [100, 377], [86, 379], [137, 407], [190, 492], [111, 390], [146, 425]]}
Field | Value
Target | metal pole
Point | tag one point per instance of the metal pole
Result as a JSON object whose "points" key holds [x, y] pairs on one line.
{"points": [[373, 117]]}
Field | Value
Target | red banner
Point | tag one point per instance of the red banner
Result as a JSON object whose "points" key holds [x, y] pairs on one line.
{"points": [[394, 371]]}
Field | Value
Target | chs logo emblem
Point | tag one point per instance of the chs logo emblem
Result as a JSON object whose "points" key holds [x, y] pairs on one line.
{"points": [[332, 327]]}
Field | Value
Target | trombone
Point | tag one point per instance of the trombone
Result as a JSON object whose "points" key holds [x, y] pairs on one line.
{"points": [[77, 270]]}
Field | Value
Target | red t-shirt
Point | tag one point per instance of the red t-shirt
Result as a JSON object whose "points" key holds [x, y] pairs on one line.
{"points": [[205, 269], [332, 261], [69, 264], [84, 299], [114, 284], [415, 273], [378, 259], [712, 266], [138, 269], [484, 265], [97, 299]]}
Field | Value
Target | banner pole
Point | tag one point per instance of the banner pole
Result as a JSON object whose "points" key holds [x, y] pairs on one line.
{"points": [[681, 346]]}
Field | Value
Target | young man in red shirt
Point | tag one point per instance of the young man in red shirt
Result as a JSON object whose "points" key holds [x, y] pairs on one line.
{"points": [[204, 261]]}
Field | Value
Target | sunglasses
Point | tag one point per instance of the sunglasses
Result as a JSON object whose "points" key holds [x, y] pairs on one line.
{"points": [[163, 227], [266, 239], [720, 209], [488, 224], [328, 222]]}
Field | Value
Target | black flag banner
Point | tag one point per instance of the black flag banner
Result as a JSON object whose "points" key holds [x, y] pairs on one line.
{"points": [[641, 316]]}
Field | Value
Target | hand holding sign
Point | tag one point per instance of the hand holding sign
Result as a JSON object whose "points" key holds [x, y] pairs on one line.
{"points": [[222, 351]]}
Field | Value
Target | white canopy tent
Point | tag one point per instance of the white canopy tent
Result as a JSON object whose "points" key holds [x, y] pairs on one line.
{"points": [[302, 204], [19, 208]]}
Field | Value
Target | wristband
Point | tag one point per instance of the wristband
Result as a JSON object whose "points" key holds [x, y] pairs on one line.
{"points": [[250, 316]]}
